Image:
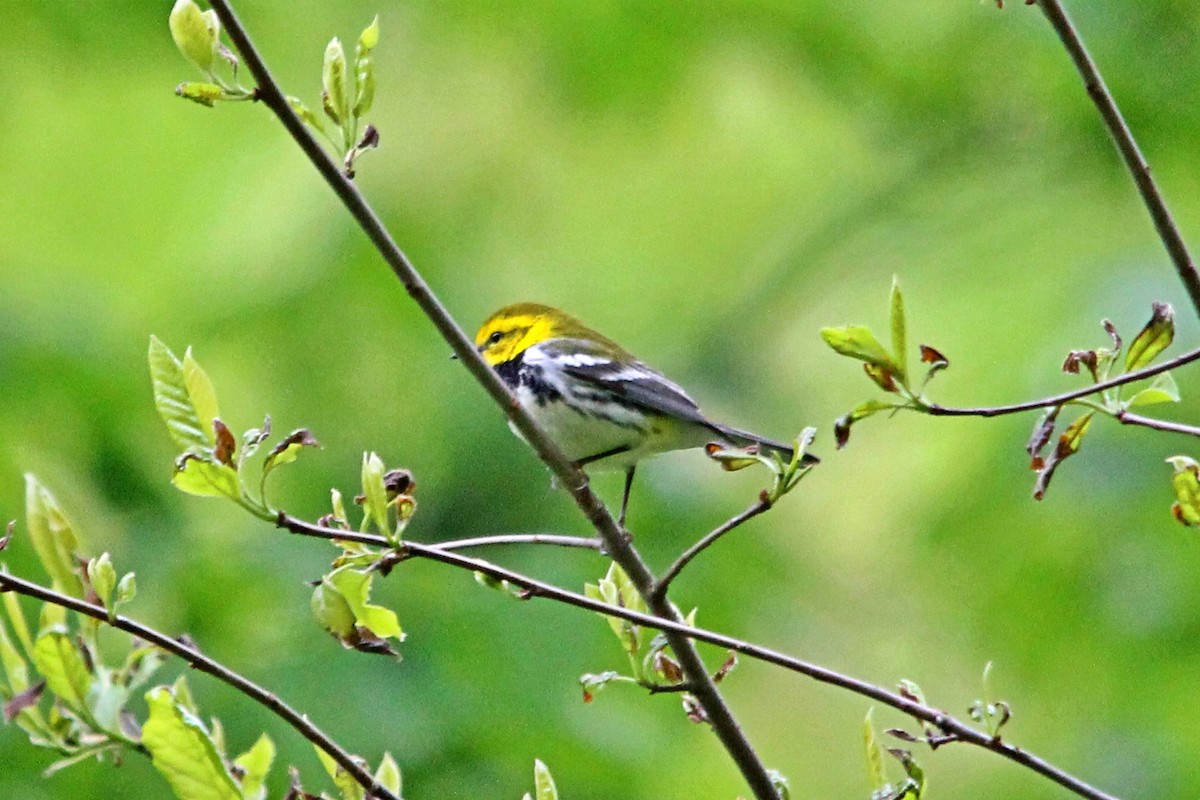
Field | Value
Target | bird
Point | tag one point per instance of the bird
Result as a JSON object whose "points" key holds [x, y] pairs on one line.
{"points": [[602, 406]]}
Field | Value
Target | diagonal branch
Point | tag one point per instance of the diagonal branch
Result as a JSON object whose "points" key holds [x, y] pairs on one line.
{"points": [[618, 545], [954, 728], [203, 663], [763, 505], [1168, 232], [1058, 399]]}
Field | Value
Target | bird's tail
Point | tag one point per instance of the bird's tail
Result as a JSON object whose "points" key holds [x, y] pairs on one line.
{"points": [[743, 438]]}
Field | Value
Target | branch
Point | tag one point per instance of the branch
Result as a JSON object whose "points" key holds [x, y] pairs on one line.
{"points": [[1123, 138], [1057, 400], [203, 663], [660, 588], [589, 543], [1157, 424], [618, 545], [951, 726]]}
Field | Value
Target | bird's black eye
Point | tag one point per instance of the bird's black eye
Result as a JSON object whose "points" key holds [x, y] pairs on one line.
{"points": [[495, 337]]}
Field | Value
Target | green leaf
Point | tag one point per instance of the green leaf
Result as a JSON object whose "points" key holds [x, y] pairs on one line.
{"points": [[333, 80], [543, 782], [205, 94], [183, 751], [174, 402], [192, 34], [364, 68], [126, 590], [17, 619], [871, 751], [104, 580], [841, 427], [375, 493], [1072, 438], [200, 391], [899, 338], [388, 774], [59, 661], [16, 671], [289, 449], [344, 781], [54, 538], [1186, 483], [332, 611], [255, 764], [857, 341], [196, 475], [1162, 390], [355, 586], [1152, 339]]}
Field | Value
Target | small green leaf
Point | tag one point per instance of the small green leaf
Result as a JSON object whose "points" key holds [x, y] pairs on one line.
{"points": [[364, 68], [871, 751], [857, 341], [289, 449], [183, 751], [200, 391], [205, 94], [192, 34], [256, 763], [375, 493], [388, 774], [333, 80], [1153, 339], [1162, 390], [195, 475], [1072, 438], [841, 427], [899, 338], [543, 782], [53, 536], [339, 507], [1186, 482], [104, 580], [173, 401], [59, 661], [16, 671], [126, 590], [344, 781], [355, 586], [17, 619], [332, 611], [305, 114]]}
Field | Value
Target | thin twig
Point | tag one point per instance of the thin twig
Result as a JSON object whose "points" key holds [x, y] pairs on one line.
{"points": [[763, 504], [1127, 418], [1123, 138], [203, 663], [618, 545], [587, 543], [1059, 399], [959, 730]]}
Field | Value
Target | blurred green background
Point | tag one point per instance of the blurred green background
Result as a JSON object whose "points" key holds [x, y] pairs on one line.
{"points": [[710, 183]]}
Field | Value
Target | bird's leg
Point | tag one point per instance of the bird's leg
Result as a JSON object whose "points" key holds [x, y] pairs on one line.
{"points": [[625, 497]]}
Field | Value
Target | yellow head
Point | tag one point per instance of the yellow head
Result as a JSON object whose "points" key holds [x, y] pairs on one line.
{"points": [[513, 329]]}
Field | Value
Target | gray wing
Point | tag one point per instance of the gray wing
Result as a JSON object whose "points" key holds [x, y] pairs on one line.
{"points": [[632, 381]]}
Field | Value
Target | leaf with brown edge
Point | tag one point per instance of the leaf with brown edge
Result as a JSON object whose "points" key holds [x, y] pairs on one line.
{"points": [[1068, 445], [841, 427], [289, 449], [883, 377], [225, 443], [1042, 431], [936, 361], [1186, 483], [1085, 358], [23, 700], [1111, 330], [1155, 337], [726, 668]]}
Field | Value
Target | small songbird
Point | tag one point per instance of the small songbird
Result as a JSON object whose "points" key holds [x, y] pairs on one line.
{"points": [[602, 406]]}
